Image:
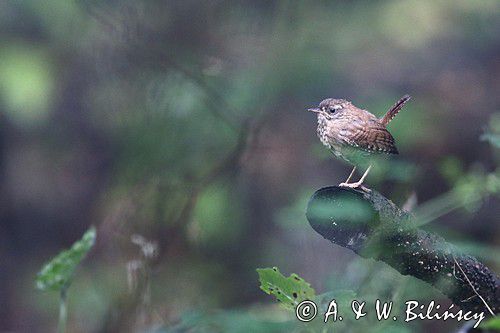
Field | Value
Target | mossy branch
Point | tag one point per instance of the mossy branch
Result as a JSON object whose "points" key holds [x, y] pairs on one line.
{"points": [[374, 227]]}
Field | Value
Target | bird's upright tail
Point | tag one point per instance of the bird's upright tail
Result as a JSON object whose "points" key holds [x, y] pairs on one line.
{"points": [[393, 111]]}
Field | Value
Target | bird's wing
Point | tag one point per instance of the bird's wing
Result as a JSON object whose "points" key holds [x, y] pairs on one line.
{"points": [[372, 137]]}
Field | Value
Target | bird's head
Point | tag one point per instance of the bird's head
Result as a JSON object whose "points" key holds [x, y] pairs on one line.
{"points": [[331, 108]]}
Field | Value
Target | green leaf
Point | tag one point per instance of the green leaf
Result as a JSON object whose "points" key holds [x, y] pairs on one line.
{"points": [[57, 273], [290, 291], [491, 324]]}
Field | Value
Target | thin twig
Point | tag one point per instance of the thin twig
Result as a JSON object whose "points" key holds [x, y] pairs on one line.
{"points": [[472, 286]]}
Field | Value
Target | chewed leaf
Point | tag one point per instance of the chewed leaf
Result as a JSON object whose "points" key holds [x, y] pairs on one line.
{"points": [[290, 291], [57, 273]]}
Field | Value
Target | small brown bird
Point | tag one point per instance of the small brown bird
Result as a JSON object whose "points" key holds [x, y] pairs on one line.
{"points": [[354, 134]]}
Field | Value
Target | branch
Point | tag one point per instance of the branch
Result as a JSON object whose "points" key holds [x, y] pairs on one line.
{"points": [[374, 227]]}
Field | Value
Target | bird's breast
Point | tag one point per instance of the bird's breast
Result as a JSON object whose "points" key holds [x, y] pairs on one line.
{"points": [[322, 131]]}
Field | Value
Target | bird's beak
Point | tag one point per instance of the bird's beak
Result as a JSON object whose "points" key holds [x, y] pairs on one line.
{"points": [[314, 110]]}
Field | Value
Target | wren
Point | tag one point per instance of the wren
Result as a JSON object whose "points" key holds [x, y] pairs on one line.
{"points": [[355, 135]]}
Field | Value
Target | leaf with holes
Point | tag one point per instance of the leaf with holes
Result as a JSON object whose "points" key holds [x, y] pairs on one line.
{"points": [[57, 273], [289, 291]]}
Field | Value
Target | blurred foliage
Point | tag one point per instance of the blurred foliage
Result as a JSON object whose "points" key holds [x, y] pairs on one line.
{"points": [[397, 291], [491, 324], [184, 121], [58, 273], [470, 188], [228, 321], [493, 133], [27, 84], [214, 223]]}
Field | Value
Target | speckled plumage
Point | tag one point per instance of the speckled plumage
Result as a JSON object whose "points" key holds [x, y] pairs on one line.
{"points": [[354, 134], [351, 132]]}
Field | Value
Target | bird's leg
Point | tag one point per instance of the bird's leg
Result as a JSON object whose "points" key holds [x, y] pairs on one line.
{"points": [[359, 182], [350, 175]]}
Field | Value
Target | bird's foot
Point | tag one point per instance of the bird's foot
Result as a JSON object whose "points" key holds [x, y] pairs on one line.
{"points": [[356, 185]]}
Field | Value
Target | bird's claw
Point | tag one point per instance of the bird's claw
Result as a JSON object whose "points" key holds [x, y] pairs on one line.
{"points": [[356, 185], [350, 185]]}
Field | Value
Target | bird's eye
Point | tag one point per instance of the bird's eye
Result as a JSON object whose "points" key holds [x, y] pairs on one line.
{"points": [[334, 108]]}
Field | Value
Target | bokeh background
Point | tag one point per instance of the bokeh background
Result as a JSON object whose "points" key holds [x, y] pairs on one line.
{"points": [[184, 122]]}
